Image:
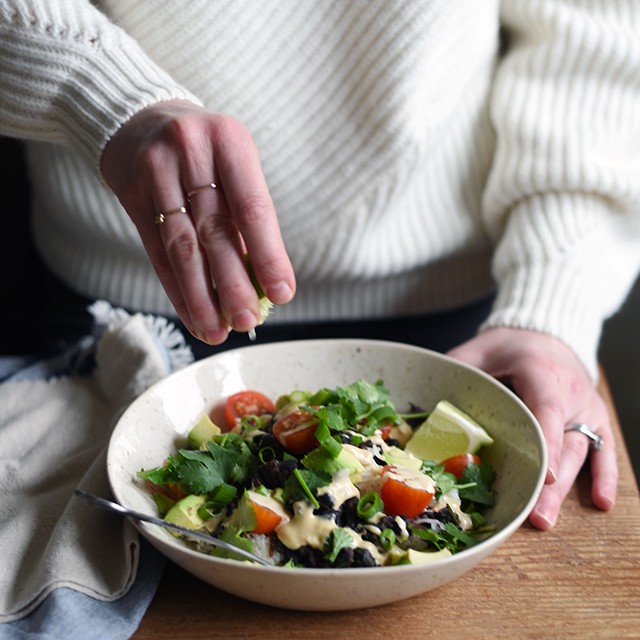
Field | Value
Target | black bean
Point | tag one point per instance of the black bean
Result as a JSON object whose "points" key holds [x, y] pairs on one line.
{"points": [[363, 558], [272, 474]]}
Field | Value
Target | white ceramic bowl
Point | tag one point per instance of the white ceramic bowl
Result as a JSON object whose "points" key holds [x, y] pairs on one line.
{"points": [[155, 423]]}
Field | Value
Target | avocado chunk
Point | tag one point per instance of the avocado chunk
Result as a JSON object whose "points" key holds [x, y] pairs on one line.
{"points": [[184, 513], [319, 459], [202, 432], [422, 557], [244, 516], [400, 458]]}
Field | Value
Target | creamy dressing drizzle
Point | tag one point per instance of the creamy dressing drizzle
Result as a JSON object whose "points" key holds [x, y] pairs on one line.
{"points": [[413, 478], [369, 546], [340, 489], [305, 528], [370, 480], [452, 500]]}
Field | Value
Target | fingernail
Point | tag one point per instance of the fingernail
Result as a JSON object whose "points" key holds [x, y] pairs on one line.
{"points": [[243, 320], [607, 503], [214, 336], [551, 476], [544, 522], [280, 293]]}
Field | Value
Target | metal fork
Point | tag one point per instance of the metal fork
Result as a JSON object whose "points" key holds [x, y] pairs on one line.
{"points": [[103, 503]]}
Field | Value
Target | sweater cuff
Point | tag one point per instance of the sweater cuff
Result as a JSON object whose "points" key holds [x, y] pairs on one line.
{"points": [[107, 88], [564, 264]]}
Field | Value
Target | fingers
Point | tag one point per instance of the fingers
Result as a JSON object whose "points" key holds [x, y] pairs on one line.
{"points": [[543, 396], [234, 218], [604, 470], [176, 148], [248, 198], [574, 450], [554, 385]]}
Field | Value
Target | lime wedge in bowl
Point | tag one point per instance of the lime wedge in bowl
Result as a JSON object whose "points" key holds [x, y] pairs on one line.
{"points": [[448, 431]]}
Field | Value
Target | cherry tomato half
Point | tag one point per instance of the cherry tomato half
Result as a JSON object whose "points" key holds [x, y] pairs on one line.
{"points": [[171, 490], [246, 403], [405, 492], [296, 431], [457, 464], [266, 520], [385, 431]]}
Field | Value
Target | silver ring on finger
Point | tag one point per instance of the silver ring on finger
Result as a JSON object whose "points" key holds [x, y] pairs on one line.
{"points": [[596, 441]]}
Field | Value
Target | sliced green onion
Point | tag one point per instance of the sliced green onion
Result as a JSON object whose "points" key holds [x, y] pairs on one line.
{"points": [[387, 538], [266, 454], [305, 488], [251, 423], [297, 396], [209, 509], [223, 494], [320, 397], [327, 441], [370, 504], [357, 440]]}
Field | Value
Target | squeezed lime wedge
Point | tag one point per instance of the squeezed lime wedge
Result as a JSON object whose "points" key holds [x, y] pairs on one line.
{"points": [[448, 431]]}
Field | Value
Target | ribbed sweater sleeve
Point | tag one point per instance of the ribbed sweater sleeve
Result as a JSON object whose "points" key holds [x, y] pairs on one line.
{"points": [[562, 197], [71, 76]]}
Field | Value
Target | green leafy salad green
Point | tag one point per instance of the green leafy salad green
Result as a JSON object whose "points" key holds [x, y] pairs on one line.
{"points": [[328, 479]]}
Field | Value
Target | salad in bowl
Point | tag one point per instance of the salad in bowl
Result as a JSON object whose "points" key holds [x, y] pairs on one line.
{"points": [[335, 478], [357, 492]]}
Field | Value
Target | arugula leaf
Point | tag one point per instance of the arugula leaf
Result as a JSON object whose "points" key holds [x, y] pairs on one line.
{"points": [[336, 541]]}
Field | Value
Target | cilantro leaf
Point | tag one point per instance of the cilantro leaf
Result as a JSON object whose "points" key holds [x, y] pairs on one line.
{"points": [[451, 537], [199, 471], [481, 479], [460, 535], [362, 405], [445, 481], [166, 474], [293, 491], [227, 460], [336, 541]]}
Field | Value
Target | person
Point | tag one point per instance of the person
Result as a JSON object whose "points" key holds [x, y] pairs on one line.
{"points": [[376, 160]]}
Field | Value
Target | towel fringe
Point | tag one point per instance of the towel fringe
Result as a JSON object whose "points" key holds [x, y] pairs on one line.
{"points": [[167, 335]]}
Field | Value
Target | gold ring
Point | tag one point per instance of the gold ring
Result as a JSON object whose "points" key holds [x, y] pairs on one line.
{"points": [[162, 216], [210, 185]]}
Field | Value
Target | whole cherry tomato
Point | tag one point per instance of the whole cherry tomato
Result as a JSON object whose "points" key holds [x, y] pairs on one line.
{"points": [[457, 464]]}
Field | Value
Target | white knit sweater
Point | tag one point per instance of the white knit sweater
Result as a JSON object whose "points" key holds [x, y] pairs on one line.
{"points": [[412, 166]]}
